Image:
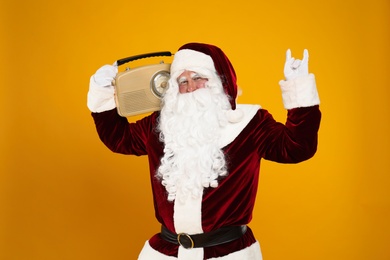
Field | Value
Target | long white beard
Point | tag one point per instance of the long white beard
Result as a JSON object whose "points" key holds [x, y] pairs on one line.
{"points": [[191, 128]]}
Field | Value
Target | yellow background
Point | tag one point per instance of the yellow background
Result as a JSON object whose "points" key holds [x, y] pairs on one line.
{"points": [[63, 195]]}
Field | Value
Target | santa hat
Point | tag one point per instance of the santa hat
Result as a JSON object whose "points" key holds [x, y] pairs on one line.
{"points": [[199, 55]]}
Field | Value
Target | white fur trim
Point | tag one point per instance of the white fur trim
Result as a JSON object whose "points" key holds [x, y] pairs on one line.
{"points": [[187, 215], [299, 92], [100, 98], [232, 130], [190, 254], [252, 252], [191, 60], [187, 218]]}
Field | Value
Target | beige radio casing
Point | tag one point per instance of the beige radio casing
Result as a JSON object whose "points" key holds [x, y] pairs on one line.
{"points": [[135, 92]]}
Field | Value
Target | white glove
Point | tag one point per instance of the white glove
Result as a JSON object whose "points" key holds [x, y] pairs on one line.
{"points": [[101, 91], [299, 89], [294, 68], [105, 75]]}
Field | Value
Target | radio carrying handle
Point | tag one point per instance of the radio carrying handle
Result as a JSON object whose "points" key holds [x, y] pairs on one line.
{"points": [[142, 56]]}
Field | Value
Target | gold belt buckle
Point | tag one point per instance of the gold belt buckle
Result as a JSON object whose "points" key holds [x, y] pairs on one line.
{"points": [[186, 236]]}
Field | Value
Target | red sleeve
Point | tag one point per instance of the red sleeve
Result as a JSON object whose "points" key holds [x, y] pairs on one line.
{"points": [[123, 137], [294, 141]]}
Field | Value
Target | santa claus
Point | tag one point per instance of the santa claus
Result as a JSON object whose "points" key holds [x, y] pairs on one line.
{"points": [[205, 150]]}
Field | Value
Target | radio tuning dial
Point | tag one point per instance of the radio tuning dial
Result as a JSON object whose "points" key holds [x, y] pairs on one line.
{"points": [[159, 83]]}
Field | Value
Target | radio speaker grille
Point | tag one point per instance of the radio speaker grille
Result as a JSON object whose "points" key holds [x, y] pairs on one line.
{"points": [[133, 90], [137, 102]]}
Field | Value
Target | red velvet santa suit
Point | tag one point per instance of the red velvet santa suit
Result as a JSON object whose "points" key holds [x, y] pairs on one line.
{"points": [[232, 202], [244, 143]]}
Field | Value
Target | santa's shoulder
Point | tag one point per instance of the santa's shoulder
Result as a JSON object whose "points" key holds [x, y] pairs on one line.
{"points": [[238, 120]]}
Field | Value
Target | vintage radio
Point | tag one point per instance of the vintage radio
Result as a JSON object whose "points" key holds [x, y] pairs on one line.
{"points": [[139, 90]]}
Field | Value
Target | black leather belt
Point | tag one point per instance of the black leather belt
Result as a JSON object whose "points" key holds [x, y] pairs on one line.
{"points": [[213, 238]]}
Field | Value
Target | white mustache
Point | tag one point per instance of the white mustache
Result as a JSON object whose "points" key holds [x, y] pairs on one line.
{"points": [[201, 99]]}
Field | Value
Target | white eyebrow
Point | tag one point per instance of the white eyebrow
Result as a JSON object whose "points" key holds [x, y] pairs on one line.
{"points": [[181, 79]]}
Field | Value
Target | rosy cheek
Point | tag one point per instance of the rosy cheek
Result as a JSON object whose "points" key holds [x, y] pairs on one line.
{"points": [[182, 89], [202, 84]]}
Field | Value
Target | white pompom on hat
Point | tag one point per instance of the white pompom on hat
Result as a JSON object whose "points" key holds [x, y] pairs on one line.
{"points": [[199, 55]]}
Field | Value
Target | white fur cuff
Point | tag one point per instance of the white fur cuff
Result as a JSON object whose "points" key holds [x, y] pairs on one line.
{"points": [[299, 92], [100, 98]]}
